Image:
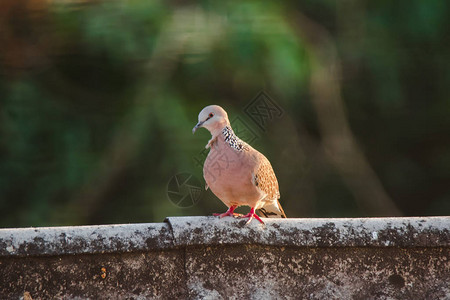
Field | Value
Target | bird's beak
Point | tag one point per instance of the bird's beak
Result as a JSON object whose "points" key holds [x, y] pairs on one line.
{"points": [[199, 124]]}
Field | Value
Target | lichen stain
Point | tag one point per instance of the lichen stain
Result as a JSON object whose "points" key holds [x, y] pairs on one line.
{"points": [[396, 280]]}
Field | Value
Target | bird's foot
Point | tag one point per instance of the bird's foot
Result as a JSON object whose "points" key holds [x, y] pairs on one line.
{"points": [[226, 214], [230, 212], [252, 215]]}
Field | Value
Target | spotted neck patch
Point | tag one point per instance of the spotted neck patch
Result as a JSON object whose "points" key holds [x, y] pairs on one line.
{"points": [[231, 139]]}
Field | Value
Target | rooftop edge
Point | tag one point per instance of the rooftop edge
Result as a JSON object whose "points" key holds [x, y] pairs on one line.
{"points": [[200, 231]]}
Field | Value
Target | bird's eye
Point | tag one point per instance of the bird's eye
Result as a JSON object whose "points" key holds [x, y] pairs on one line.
{"points": [[211, 115]]}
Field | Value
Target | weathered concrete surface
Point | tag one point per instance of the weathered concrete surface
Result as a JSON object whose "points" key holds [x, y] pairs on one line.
{"points": [[343, 232], [261, 272], [100, 276], [210, 258], [84, 239]]}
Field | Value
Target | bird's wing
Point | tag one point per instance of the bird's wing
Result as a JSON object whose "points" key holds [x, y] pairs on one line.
{"points": [[267, 182], [265, 179]]}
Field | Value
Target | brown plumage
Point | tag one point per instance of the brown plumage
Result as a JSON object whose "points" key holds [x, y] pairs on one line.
{"points": [[235, 172], [266, 180]]}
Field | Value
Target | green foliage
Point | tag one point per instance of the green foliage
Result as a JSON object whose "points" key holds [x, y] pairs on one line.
{"points": [[93, 129]]}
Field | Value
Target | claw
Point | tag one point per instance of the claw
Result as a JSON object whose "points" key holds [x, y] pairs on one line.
{"points": [[252, 215], [230, 212]]}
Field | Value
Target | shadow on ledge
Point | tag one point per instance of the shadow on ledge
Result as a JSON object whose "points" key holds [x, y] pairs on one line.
{"points": [[211, 258]]}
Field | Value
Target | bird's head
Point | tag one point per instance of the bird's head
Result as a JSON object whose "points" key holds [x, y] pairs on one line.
{"points": [[213, 117]]}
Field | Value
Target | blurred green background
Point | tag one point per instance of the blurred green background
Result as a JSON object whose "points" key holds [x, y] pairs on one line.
{"points": [[98, 100]]}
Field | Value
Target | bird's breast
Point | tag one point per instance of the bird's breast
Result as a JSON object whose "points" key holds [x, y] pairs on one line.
{"points": [[228, 173], [221, 163]]}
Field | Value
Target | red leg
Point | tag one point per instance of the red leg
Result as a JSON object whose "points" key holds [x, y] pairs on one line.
{"points": [[230, 212], [252, 215]]}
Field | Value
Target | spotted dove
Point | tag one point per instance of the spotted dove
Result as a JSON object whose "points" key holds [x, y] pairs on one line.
{"points": [[235, 172]]}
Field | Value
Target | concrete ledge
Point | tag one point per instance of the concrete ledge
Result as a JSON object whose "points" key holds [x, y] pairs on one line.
{"points": [[202, 231], [84, 239], [211, 258], [355, 232]]}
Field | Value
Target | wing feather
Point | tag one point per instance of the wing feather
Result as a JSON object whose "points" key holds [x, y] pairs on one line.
{"points": [[267, 182]]}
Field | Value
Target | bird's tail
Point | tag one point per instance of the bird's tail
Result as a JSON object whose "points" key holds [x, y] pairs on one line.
{"points": [[272, 209]]}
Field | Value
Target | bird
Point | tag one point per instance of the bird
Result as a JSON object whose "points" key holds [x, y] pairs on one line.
{"points": [[235, 172]]}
